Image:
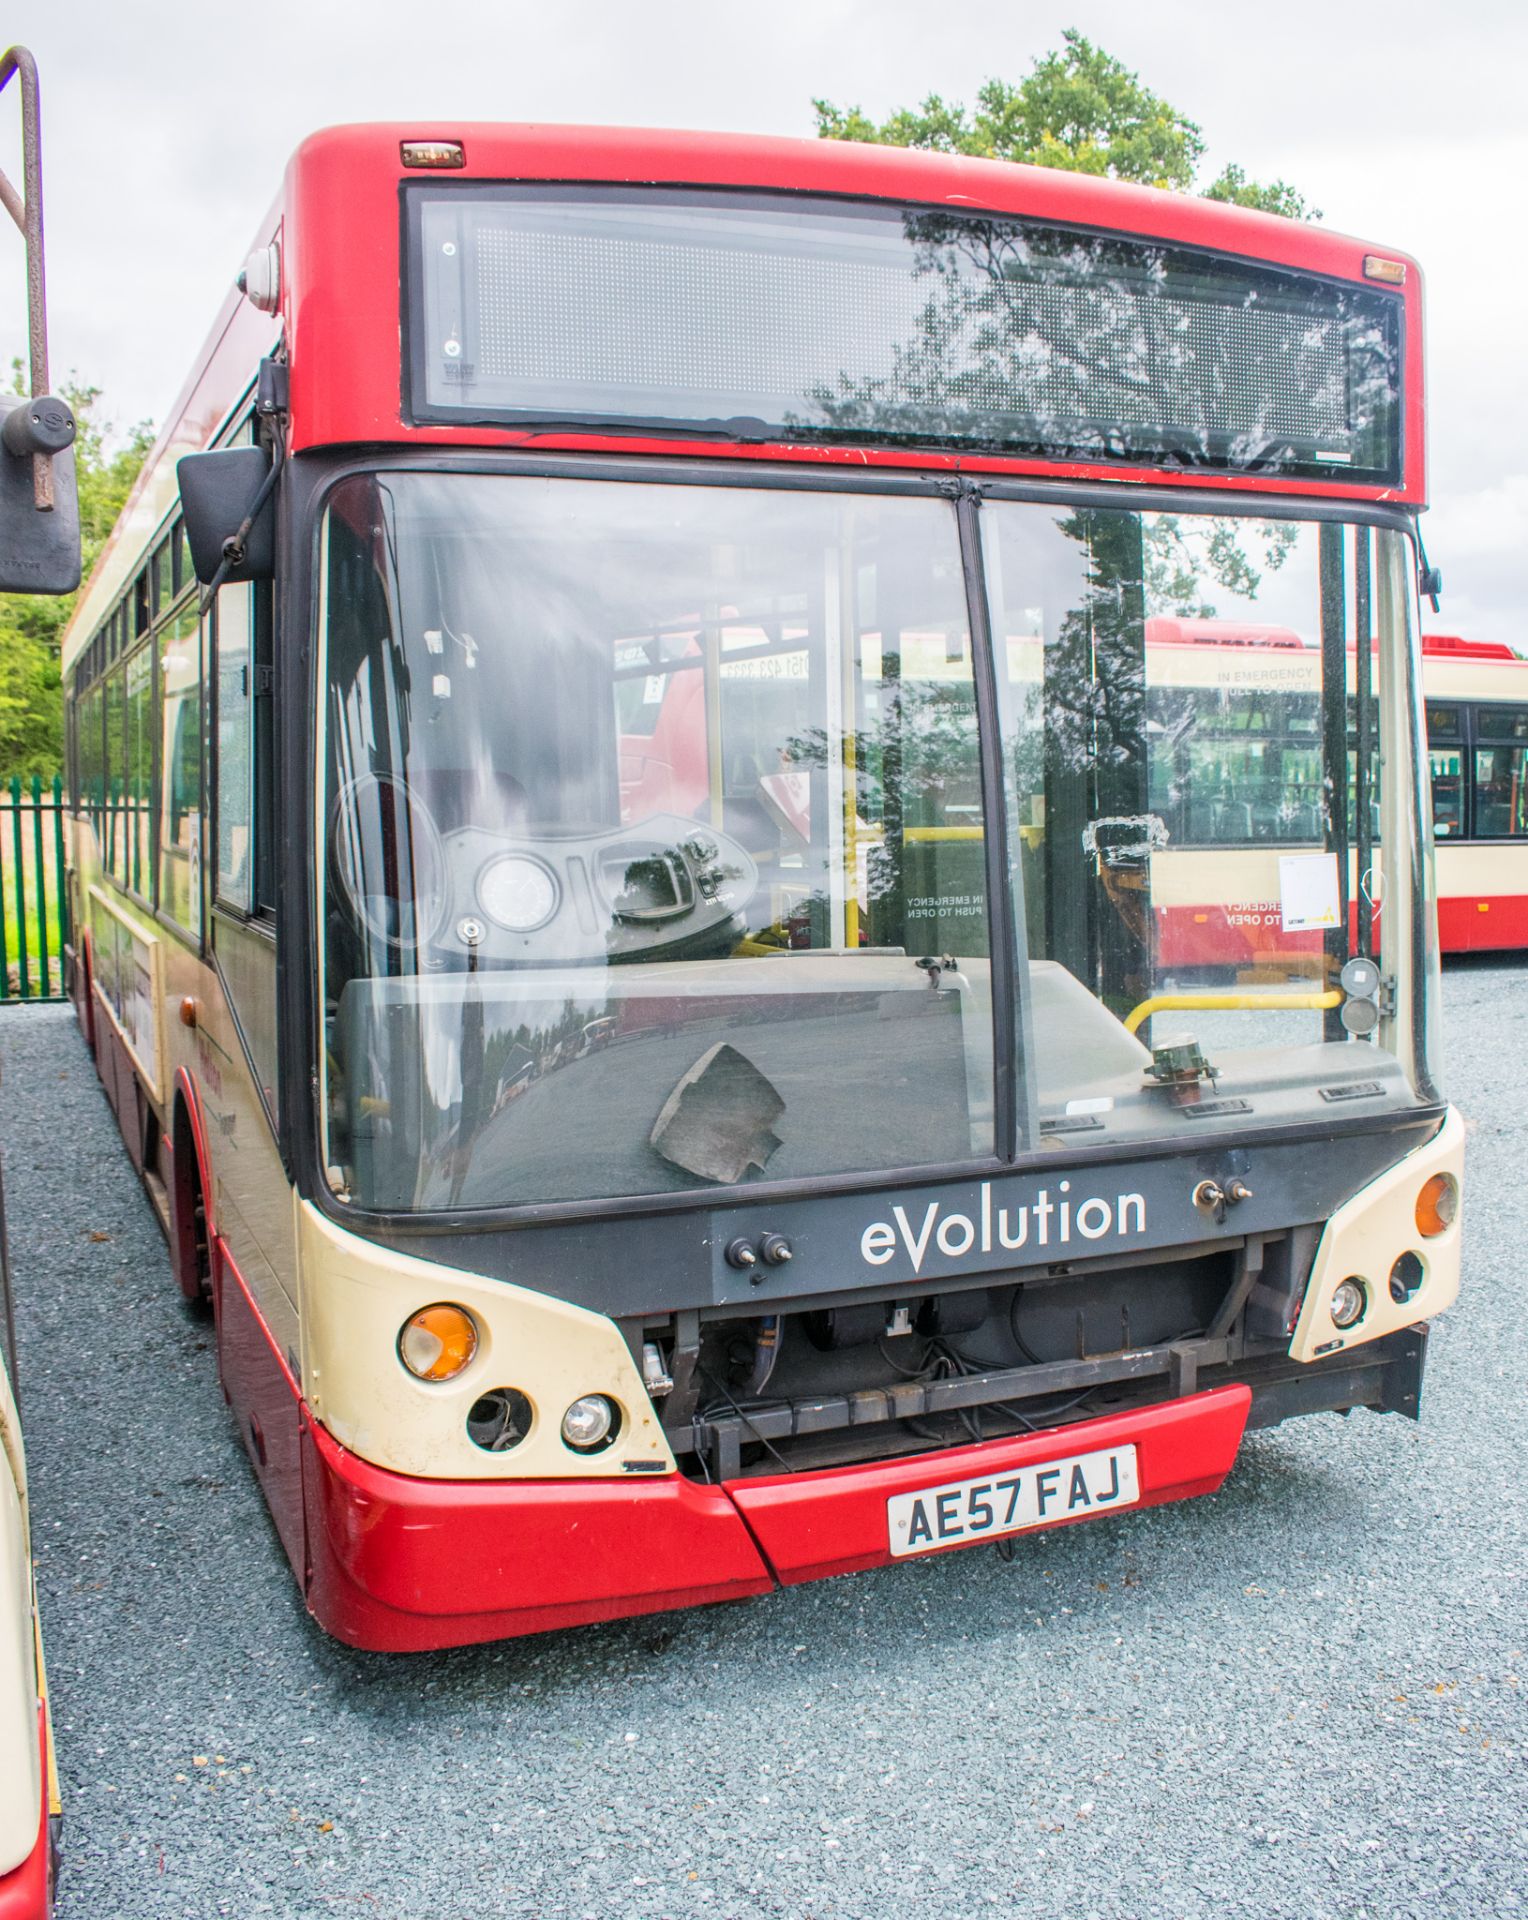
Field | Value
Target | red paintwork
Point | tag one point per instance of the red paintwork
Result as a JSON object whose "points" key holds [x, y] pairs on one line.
{"points": [[26, 1892], [337, 221], [1483, 923], [1450, 646], [812, 1525], [119, 1076], [264, 1397], [1208, 936], [399, 1565], [340, 235], [1168, 630]]}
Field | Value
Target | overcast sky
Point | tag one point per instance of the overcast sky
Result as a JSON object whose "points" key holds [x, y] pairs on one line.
{"points": [[168, 124]]}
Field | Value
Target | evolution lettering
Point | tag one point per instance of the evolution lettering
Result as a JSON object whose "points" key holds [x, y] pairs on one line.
{"points": [[1043, 1222]]}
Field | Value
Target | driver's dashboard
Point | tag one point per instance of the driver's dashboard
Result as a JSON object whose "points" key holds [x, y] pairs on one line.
{"points": [[663, 888]]}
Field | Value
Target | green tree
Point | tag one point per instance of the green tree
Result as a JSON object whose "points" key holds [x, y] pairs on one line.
{"points": [[1079, 109], [1277, 197], [32, 625]]}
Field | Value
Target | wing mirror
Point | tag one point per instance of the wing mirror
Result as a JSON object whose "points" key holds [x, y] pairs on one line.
{"points": [[39, 503], [225, 502]]}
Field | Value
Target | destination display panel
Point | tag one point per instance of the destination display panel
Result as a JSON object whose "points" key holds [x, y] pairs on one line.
{"points": [[798, 317]]}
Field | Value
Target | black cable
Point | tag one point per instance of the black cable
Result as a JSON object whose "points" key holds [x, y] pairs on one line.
{"points": [[767, 1445]]}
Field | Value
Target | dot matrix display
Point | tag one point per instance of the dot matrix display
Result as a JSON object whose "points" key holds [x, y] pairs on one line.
{"points": [[796, 318]]}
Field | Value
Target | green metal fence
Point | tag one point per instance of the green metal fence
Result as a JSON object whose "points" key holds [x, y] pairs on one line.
{"points": [[34, 902]]}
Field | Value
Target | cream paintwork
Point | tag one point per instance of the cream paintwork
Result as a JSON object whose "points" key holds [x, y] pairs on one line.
{"points": [[1367, 1235], [20, 1679], [150, 1071], [1445, 677], [1229, 877], [355, 1299], [251, 1197]]}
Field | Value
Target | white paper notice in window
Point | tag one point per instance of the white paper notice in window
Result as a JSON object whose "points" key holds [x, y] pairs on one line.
{"points": [[1308, 897]]}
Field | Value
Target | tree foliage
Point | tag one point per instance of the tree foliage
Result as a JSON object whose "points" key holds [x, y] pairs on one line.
{"points": [[1079, 109], [32, 625]]}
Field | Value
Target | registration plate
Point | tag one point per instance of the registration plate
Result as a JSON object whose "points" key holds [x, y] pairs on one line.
{"points": [[1037, 1496]]}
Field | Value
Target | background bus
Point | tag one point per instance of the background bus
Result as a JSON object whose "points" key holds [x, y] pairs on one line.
{"points": [[619, 927], [1243, 784]]}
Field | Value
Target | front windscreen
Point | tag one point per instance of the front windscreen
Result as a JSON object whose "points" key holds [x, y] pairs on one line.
{"points": [[653, 840], [790, 317], [655, 852]]}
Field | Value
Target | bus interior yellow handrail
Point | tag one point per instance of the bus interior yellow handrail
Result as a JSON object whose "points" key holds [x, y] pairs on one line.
{"points": [[1227, 1002]]}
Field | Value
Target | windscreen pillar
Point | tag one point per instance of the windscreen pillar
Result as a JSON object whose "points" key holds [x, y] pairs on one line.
{"points": [[1364, 804], [1096, 770], [1334, 751]]}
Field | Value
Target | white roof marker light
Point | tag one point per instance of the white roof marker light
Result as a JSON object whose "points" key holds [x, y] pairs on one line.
{"points": [[260, 282]]}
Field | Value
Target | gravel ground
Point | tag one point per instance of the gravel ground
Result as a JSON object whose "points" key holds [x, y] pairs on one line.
{"points": [[1302, 1698]]}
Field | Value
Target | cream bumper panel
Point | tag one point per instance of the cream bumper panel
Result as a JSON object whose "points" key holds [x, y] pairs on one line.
{"points": [[1367, 1235], [355, 1299]]}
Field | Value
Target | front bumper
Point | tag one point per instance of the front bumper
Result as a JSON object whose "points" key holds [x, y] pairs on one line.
{"points": [[396, 1564]]}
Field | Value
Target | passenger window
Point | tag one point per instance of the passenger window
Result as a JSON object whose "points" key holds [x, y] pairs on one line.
{"points": [[1447, 767], [234, 643], [180, 857], [1501, 792]]}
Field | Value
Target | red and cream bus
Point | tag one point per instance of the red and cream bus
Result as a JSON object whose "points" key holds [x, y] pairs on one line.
{"points": [[1477, 742], [615, 850], [1242, 788]]}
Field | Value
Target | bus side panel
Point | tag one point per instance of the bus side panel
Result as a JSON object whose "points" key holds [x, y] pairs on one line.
{"points": [[120, 1080], [264, 1399], [251, 1198], [1482, 895]]}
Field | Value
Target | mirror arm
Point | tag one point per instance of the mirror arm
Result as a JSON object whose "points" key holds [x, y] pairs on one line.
{"points": [[235, 546]]}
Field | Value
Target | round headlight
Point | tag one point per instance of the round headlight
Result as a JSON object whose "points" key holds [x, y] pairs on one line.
{"points": [[437, 1342], [1437, 1205], [518, 892], [1348, 1303], [590, 1423]]}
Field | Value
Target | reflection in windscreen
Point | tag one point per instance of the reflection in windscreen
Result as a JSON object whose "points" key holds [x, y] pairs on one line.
{"points": [[1194, 744], [654, 840]]}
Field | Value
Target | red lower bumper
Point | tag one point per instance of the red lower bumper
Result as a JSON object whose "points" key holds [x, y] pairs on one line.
{"points": [[26, 1892], [811, 1525], [399, 1565]]}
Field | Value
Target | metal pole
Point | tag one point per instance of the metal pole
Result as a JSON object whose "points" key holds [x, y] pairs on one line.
{"points": [[27, 214], [5, 949], [40, 875], [1364, 691], [18, 852], [1334, 747], [60, 875], [10, 1311]]}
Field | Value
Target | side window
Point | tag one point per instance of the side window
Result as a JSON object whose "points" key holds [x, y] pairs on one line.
{"points": [[180, 857], [115, 858], [1501, 792], [233, 640], [139, 772], [1445, 757]]}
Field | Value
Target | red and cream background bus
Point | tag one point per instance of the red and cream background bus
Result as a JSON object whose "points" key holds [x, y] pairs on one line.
{"points": [[1240, 696]]}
